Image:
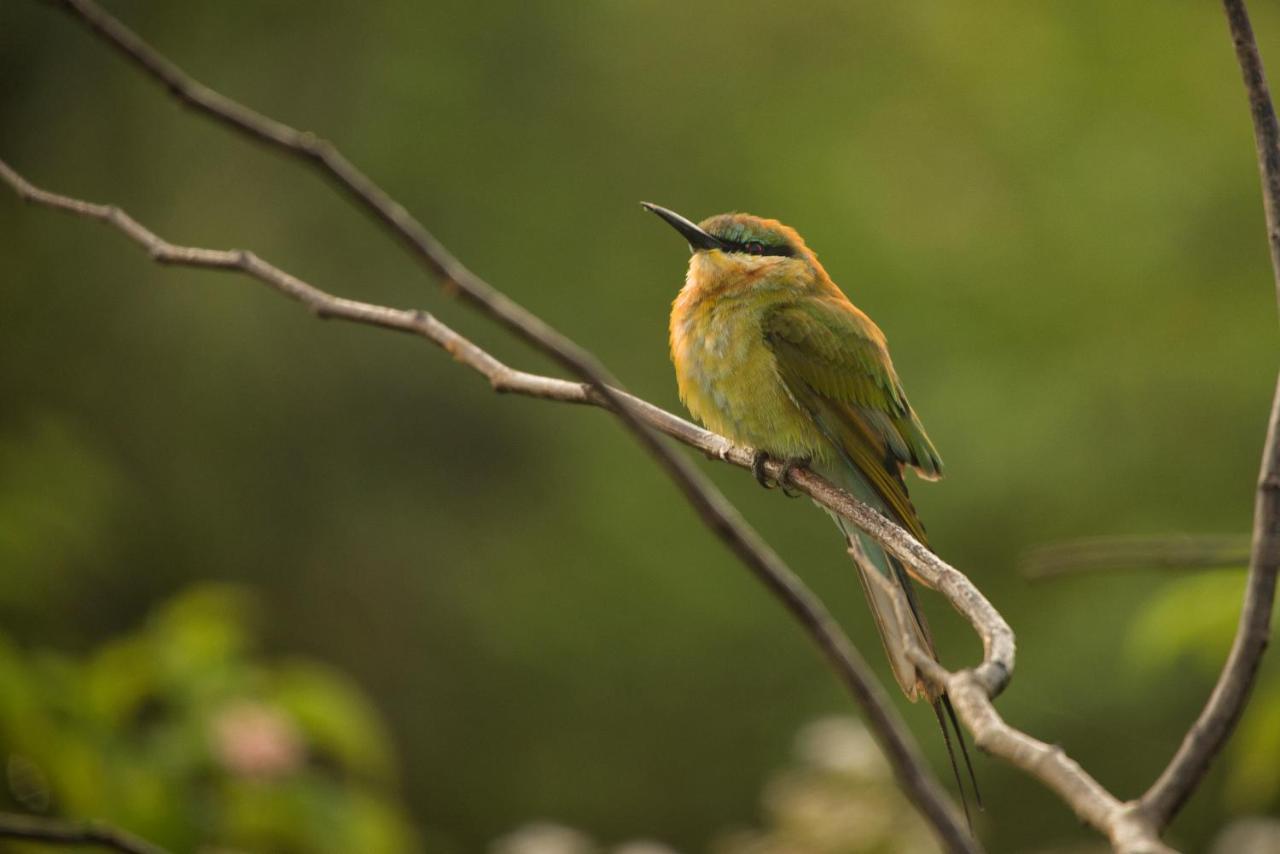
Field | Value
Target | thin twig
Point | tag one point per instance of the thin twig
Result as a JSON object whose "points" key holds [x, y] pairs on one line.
{"points": [[1218, 719], [36, 829], [1103, 554], [913, 774]]}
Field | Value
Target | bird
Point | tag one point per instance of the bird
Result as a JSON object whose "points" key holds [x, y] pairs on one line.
{"points": [[770, 353]]}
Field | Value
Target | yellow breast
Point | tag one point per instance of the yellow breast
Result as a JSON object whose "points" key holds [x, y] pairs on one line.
{"points": [[726, 373]]}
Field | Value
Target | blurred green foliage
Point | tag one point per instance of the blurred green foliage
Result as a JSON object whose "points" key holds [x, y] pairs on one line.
{"points": [[182, 734], [1192, 622], [1051, 209]]}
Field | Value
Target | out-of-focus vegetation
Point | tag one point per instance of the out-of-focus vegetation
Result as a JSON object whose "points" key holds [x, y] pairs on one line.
{"points": [[1191, 624], [1051, 209], [837, 796], [181, 734]]}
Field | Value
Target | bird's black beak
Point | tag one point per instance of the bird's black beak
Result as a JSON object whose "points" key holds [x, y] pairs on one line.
{"points": [[698, 239]]}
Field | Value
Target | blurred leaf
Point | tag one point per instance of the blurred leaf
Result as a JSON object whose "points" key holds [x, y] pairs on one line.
{"points": [[1192, 618], [198, 638], [119, 678], [182, 735], [335, 717], [375, 826]]}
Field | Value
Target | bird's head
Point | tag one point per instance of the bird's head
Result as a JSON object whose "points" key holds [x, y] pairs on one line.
{"points": [[736, 249]]}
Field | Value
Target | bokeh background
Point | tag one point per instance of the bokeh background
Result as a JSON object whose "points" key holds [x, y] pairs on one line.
{"points": [[279, 584]]}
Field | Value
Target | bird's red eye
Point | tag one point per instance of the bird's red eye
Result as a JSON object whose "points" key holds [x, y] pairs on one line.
{"points": [[755, 247]]}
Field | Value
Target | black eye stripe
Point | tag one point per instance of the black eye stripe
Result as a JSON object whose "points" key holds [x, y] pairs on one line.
{"points": [[781, 250]]}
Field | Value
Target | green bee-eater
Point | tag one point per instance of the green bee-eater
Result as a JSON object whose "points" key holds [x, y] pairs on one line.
{"points": [[770, 353]]}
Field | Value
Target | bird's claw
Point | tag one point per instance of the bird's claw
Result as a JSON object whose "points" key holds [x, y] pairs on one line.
{"points": [[757, 469], [789, 465]]}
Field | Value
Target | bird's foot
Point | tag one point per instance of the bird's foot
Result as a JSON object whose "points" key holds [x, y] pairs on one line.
{"points": [[757, 469], [789, 465]]}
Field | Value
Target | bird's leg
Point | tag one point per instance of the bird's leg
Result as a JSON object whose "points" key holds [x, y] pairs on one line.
{"points": [[789, 465]]}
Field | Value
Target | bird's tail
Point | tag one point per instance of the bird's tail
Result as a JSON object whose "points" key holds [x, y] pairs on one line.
{"points": [[869, 556]]}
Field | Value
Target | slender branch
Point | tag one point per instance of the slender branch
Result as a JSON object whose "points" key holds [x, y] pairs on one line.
{"points": [[1095, 554], [35, 829], [913, 773], [1222, 712]]}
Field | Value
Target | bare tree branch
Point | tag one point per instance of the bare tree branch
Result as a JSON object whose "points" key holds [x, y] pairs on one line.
{"points": [[1125, 824], [30, 828], [913, 773], [1176, 551], [1218, 719]]}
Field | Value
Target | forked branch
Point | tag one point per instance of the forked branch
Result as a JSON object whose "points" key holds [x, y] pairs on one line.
{"points": [[1125, 824]]}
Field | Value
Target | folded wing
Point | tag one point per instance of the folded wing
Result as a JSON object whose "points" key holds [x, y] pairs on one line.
{"points": [[835, 365]]}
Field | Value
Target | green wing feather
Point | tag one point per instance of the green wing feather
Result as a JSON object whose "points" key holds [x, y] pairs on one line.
{"points": [[835, 365]]}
